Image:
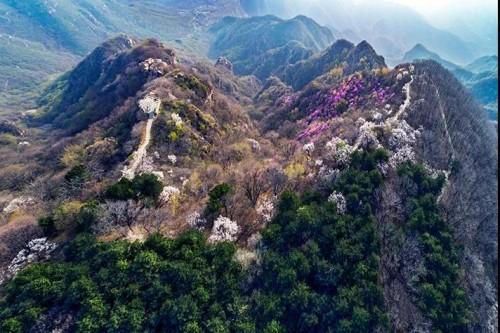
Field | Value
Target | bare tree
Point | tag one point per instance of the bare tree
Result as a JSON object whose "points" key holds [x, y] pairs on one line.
{"points": [[155, 219], [254, 184], [119, 214]]}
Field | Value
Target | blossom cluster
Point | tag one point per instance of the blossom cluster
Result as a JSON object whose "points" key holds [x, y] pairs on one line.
{"points": [[340, 202], [340, 151], [382, 94], [196, 221], [172, 159], [266, 209], [402, 155], [149, 104], [255, 144], [288, 100], [328, 175], [308, 148], [403, 135], [168, 193], [224, 229], [367, 137], [328, 104], [313, 131], [402, 139], [354, 92], [177, 119]]}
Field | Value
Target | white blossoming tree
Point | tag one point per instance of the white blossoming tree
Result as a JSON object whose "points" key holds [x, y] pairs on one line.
{"points": [[309, 148], [196, 221], [265, 209], [340, 151], [172, 159], [340, 202], [224, 229], [168, 193]]}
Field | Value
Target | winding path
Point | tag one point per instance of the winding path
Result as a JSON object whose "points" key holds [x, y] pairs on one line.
{"points": [[407, 102], [139, 155], [402, 109]]}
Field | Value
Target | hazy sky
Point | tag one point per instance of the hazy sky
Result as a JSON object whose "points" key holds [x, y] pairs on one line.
{"points": [[433, 7], [430, 7], [442, 12], [394, 26]]}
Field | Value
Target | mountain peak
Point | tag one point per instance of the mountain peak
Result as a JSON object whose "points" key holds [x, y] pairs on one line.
{"points": [[420, 52]]}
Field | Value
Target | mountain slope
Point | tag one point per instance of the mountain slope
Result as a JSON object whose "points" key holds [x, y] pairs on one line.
{"points": [[64, 31], [245, 41], [483, 64], [463, 135], [392, 29], [156, 178], [480, 77], [341, 55], [420, 52]]}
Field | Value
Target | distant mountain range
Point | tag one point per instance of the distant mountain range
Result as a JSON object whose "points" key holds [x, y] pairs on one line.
{"points": [[260, 45], [390, 28], [480, 76], [40, 38], [43, 37]]}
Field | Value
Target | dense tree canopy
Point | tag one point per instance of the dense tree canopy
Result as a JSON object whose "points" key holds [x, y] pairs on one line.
{"points": [[317, 270], [442, 298], [163, 285]]}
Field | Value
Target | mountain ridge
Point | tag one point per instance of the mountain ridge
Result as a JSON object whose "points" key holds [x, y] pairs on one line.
{"points": [[317, 190]]}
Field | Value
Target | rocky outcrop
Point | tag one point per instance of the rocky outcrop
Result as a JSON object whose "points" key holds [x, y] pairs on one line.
{"points": [[158, 67], [10, 127], [36, 250], [17, 203], [223, 62]]}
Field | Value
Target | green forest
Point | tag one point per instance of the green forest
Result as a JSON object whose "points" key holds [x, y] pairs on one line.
{"points": [[317, 269]]}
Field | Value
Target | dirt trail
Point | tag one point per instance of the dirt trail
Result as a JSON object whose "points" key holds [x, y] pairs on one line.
{"points": [[407, 102], [139, 155]]}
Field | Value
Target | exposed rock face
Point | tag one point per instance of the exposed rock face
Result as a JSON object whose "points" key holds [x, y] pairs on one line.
{"points": [[55, 321], [158, 67], [36, 250], [17, 203], [223, 62], [11, 128]]}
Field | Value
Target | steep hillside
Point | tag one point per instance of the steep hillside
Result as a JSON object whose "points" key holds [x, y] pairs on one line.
{"points": [[341, 56], [175, 196], [252, 42], [61, 32], [483, 64], [419, 52], [480, 77]]}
